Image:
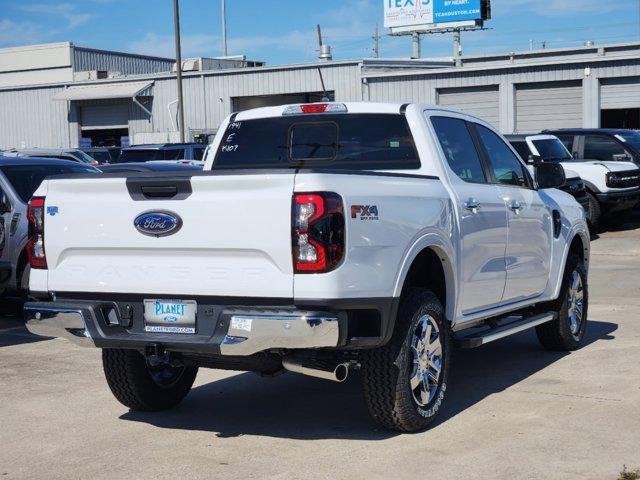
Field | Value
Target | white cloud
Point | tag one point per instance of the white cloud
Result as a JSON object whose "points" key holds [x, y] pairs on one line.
{"points": [[19, 33], [65, 10], [197, 45]]}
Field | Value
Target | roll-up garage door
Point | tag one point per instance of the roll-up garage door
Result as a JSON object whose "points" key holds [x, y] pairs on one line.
{"points": [[620, 93], [98, 117], [483, 102], [548, 105]]}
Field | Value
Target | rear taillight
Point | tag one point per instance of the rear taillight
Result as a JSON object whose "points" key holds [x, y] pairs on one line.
{"points": [[35, 245], [318, 232]]}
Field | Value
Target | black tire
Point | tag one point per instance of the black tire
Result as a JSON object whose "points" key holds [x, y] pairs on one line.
{"points": [[386, 371], [558, 335], [595, 211], [138, 386]]}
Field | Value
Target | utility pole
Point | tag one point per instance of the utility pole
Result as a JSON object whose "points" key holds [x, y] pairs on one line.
{"points": [[415, 46], [176, 21], [457, 47], [376, 43], [223, 8]]}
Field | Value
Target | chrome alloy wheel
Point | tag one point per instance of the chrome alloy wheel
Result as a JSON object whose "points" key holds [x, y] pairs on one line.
{"points": [[575, 301], [426, 348]]}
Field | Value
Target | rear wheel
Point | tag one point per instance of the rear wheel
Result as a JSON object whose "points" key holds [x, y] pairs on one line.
{"points": [[142, 386], [405, 381], [568, 330]]}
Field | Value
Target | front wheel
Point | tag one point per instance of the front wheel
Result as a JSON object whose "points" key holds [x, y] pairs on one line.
{"points": [[141, 386], [568, 330], [405, 381]]}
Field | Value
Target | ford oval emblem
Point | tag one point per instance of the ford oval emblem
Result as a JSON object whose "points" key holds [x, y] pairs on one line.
{"points": [[158, 223]]}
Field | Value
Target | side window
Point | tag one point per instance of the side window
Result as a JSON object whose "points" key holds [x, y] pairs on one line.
{"points": [[174, 154], [522, 148], [597, 147], [567, 140], [507, 167], [459, 149], [198, 153]]}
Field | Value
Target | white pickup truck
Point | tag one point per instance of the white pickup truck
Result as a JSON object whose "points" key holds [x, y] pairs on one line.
{"points": [[320, 238], [612, 188]]}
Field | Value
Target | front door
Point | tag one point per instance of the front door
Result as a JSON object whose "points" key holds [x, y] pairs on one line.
{"points": [[528, 252], [482, 218]]}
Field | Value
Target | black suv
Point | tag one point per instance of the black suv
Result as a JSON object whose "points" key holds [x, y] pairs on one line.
{"points": [[601, 143]]}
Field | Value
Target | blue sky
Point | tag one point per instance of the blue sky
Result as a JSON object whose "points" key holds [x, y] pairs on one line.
{"points": [[283, 31]]}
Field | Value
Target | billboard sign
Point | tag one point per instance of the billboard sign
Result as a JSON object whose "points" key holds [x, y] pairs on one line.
{"points": [[430, 14]]}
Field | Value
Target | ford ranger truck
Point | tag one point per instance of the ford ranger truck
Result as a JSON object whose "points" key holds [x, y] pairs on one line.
{"points": [[319, 239]]}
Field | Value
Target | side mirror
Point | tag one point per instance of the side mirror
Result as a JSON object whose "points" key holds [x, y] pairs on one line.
{"points": [[534, 159], [550, 175], [622, 157]]}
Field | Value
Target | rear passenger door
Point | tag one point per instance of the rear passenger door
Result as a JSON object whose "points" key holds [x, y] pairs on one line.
{"points": [[481, 215], [530, 233]]}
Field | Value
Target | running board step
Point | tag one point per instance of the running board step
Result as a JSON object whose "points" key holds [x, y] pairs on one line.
{"points": [[477, 339]]}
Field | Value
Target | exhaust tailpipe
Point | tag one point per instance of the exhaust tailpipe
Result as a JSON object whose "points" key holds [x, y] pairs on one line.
{"points": [[336, 373]]}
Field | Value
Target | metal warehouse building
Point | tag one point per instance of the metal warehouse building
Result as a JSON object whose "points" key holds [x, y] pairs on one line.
{"points": [[64, 96]]}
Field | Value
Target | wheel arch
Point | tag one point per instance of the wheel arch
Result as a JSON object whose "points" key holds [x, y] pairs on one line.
{"points": [[430, 264]]}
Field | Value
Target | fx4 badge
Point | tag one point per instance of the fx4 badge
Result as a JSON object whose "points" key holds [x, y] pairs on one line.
{"points": [[364, 212]]}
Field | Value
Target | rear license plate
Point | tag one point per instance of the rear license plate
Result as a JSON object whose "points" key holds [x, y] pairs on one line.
{"points": [[170, 316]]}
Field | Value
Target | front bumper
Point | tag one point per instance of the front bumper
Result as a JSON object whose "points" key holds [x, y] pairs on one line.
{"points": [[235, 333], [619, 200]]}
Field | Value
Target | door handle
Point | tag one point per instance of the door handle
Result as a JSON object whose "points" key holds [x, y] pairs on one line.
{"points": [[515, 206], [472, 205]]}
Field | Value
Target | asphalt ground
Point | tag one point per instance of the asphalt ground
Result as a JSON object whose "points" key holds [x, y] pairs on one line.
{"points": [[513, 410]]}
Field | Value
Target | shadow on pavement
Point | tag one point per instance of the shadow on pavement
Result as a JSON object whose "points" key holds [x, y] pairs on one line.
{"points": [[12, 329], [293, 406]]}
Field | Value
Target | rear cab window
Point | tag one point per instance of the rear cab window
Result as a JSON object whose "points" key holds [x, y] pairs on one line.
{"points": [[350, 141]]}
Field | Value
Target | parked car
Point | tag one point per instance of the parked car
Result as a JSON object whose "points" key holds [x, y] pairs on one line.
{"points": [[72, 154], [164, 152], [379, 239], [611, 187], [573, 185], [614, 144], [103, 155], [149, 167], [19, 178]]}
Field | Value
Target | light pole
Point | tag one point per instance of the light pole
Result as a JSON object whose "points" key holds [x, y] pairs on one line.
{"points": [[223, 8], [176, 20]]}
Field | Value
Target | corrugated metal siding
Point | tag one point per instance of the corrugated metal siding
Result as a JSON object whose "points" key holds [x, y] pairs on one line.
{"points": [[86, 59], [204, 108], [620, 93], [548, 105], [30, 118], [111, 115], [481, 101]]}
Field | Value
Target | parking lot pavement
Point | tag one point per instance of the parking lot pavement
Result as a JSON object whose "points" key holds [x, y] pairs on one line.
{"points": [[513, 410]]}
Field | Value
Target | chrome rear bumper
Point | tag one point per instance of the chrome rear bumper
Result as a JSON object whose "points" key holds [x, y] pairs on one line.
{"points": [[66, 323], [231, 332]]}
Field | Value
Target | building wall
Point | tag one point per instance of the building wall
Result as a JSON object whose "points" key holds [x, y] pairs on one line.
{"points": [[207, 96], [85, 59], [36, 64], [423, 87], [31, 118]]}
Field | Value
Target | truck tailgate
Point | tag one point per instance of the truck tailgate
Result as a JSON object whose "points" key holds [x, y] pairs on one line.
{"points": [[235, 237]]}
